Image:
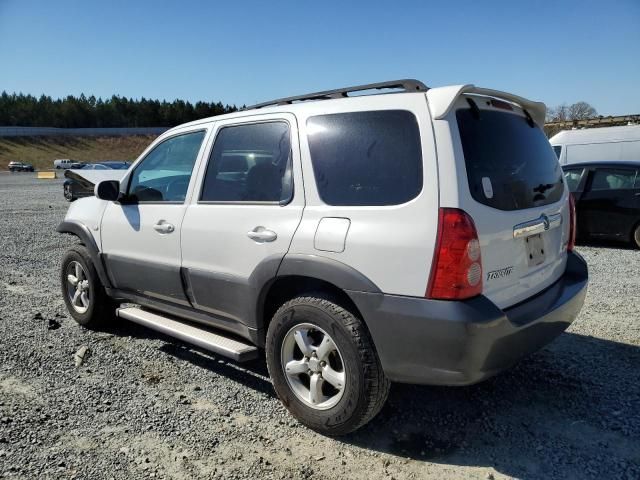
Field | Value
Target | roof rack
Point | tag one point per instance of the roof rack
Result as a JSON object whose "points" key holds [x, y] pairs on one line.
{"points": [[408, 85]]}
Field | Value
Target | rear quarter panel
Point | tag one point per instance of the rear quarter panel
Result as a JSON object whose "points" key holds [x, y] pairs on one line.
{"points": [[391, 245]]}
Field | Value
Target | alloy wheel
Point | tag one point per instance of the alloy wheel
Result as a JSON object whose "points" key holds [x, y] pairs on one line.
{"points": [[78, 287], [313, 366]]}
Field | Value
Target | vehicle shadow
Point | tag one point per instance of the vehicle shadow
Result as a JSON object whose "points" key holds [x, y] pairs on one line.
{"points": [[568, 411], [252, 374]]}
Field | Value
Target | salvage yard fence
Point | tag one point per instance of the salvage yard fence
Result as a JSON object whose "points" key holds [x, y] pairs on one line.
{"points": [[81, 132]]}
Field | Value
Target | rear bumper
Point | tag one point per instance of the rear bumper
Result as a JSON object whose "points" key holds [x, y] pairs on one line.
{"points": [[463, 342]]}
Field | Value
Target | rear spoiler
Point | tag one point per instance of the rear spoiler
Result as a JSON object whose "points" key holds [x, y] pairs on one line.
{"points": [[442, 99]]}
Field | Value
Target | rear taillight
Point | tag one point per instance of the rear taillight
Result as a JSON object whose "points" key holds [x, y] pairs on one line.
{"points": [[571, 243], [456, 272]]}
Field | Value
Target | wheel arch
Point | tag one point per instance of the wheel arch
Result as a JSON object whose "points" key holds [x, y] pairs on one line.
{"points": [[82, 232], [299, 274]]}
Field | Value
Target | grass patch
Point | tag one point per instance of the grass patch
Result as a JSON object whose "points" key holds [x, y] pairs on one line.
{"points": [[42, 151]]}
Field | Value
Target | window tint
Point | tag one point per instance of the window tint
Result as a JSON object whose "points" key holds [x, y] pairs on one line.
{"points": [[572, 177], [366, 158], [613, 179], [510, 164], [250, 163], [164, 174]]}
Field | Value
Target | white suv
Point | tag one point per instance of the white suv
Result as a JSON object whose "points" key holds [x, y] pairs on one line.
{"points": [[421, 236]]}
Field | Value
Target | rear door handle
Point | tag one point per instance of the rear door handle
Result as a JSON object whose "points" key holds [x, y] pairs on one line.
{"points": [[261, 235], [163, 227]]}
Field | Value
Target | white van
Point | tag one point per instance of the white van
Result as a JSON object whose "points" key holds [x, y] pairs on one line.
{"points": [[62, 163], [597, 144]]}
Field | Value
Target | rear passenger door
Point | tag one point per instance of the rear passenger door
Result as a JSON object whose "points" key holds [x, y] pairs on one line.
{"points": [[608, 206], [247, 205]]}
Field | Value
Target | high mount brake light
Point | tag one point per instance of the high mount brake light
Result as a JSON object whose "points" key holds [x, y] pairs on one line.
{"points": [[457, 264]]}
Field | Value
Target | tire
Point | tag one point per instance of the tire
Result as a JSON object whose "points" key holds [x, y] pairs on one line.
{"points": [[365, 387], [99, 308], [635, 236]]}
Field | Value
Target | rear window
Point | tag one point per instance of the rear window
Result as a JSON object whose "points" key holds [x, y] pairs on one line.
{"points": [[366, 158], [510, 164]]}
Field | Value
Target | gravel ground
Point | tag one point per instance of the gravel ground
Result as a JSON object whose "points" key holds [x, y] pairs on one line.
{"points": [[143, 405]]}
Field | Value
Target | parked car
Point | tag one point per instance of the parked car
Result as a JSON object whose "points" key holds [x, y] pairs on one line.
{"points": [[607, 196], [107, 165], [76, 166], [63, 163], [430, 242], [80, 185], [20, 167], [613, 144]]}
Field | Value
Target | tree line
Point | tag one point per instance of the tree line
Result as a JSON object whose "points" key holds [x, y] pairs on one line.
{"points": [[81, 112], [564, 112]]}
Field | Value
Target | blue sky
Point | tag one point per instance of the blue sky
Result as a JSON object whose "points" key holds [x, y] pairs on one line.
{"points": [[243, 52]]}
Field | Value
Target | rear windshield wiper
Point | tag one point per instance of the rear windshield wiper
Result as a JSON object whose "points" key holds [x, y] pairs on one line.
{"points": [[475, 111]]}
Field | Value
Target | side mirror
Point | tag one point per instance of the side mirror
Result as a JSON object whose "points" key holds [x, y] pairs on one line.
{"points": [[108, 190]]}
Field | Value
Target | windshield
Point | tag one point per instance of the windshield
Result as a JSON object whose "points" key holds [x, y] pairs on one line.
{"points": [[510, 163]]}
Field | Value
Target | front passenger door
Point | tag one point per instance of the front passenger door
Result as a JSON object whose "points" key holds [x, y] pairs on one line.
{"points": [[141, 235]]}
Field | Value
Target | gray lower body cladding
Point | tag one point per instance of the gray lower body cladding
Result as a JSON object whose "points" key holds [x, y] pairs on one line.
{"points": [[463, 342]]}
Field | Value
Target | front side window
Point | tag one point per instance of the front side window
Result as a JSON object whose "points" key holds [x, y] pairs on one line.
{"points": [[613, 179], [366, 158], [572, 177], [250, 163], [164, 174]]}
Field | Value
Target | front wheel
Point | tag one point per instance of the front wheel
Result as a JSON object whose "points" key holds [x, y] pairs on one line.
{"points": [[636, 236], [324, 366], [83, 294], [68, 193]]}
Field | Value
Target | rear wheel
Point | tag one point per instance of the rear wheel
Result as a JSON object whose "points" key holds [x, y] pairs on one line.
{"points": [[83, 294], [324, 366]]}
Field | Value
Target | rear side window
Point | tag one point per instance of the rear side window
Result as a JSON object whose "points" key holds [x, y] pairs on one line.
{"points": [[510, 164], [250, 163], [613, 179], [366, 158], [558, 150], [572, 177]]}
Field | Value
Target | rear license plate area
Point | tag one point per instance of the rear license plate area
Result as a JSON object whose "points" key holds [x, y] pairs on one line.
{"points": [[535, 249]]}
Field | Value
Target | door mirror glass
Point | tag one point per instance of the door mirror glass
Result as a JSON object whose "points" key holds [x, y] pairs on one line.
{"points": [[108, 190]]}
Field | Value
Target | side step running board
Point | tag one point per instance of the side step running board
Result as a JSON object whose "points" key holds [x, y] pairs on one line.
{"points": [[201, 337]]}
